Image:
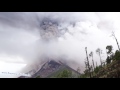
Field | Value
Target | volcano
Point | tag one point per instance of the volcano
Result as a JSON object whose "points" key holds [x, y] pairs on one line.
{"points": [[51, 68]]}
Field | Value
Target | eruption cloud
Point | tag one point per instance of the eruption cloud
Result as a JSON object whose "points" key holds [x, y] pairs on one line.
{"points": [[34, 37]]}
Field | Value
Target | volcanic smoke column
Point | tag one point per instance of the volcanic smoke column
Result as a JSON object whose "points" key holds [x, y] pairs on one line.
{"points": [[49, 30]]}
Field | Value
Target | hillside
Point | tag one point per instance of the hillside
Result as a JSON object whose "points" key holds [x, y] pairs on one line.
{"points": [[51, 68], [109, 71]]}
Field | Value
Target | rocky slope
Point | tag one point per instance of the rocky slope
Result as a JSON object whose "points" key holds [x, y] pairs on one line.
{"points": [[50, 68]]}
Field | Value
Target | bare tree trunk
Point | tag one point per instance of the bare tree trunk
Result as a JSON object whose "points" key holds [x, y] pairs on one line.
{"points": [[116, 41], [93, 62], [106, 53], [92, 69], [96, 64], [86, 64], [100, 59], [88, 61]]}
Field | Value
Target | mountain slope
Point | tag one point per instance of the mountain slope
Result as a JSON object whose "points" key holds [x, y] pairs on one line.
{"points": [[52, 68]]}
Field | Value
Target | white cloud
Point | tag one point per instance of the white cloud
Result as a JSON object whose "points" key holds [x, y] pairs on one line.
{"points": [[10, 67]]}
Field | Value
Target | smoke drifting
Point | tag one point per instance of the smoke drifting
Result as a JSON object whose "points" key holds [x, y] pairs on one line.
{"points": [[35, 36]]}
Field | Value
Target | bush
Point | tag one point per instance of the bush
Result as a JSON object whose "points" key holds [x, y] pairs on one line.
{"points": [[117, 55], [97, 69], [64, 74], [38, 77]]}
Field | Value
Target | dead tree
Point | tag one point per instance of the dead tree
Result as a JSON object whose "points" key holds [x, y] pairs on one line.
{"points": [[91, 55], [99, 52], [113, 34], [88, 61]]}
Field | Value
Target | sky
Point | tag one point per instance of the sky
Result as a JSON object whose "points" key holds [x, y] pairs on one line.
{"points": [[21, 38], [11, 68]]}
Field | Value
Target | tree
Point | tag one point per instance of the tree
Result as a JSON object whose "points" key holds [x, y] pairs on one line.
{"points": [[113, 34], [104, 63], [83, 76], [78, 70], [88, 61], [99, 52], [96, 64], [86, 64], [117, 55], [108, 60], [91, 55], [96, 69], [86, 72], [38, 77], [65, 74], [112, 56], [109, 48]]}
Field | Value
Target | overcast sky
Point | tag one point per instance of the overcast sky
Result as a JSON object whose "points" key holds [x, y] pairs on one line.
{"points": [[20, 40]]}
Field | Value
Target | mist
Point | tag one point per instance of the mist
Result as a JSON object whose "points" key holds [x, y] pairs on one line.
{"points": [[24, 37]]}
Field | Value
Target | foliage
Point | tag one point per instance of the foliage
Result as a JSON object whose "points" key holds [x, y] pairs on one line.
{"points": [[117, 55], [99, 51], [110, 53], [91, 54], [112, 56], [65, 74], [38, 77], [108, 60], [109, 48], [83, 76], [96, 70]]}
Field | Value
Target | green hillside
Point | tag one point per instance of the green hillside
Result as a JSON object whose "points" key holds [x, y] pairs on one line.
{"points": [[70, 73]]}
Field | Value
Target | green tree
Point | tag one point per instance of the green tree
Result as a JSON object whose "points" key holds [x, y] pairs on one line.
{"points": [[83, 76], [65, 74], [97, 69], [117, 55], [38, 77]]}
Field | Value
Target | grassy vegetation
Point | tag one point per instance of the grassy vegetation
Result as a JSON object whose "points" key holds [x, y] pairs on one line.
{"points": [[63, 72], [38, 77]]}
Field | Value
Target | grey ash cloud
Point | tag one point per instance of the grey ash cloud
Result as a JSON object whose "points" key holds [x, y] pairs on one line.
{"points": [[23, 34]]}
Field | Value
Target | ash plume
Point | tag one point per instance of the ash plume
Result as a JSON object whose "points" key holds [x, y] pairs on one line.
{"points": [[62, 36]]}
